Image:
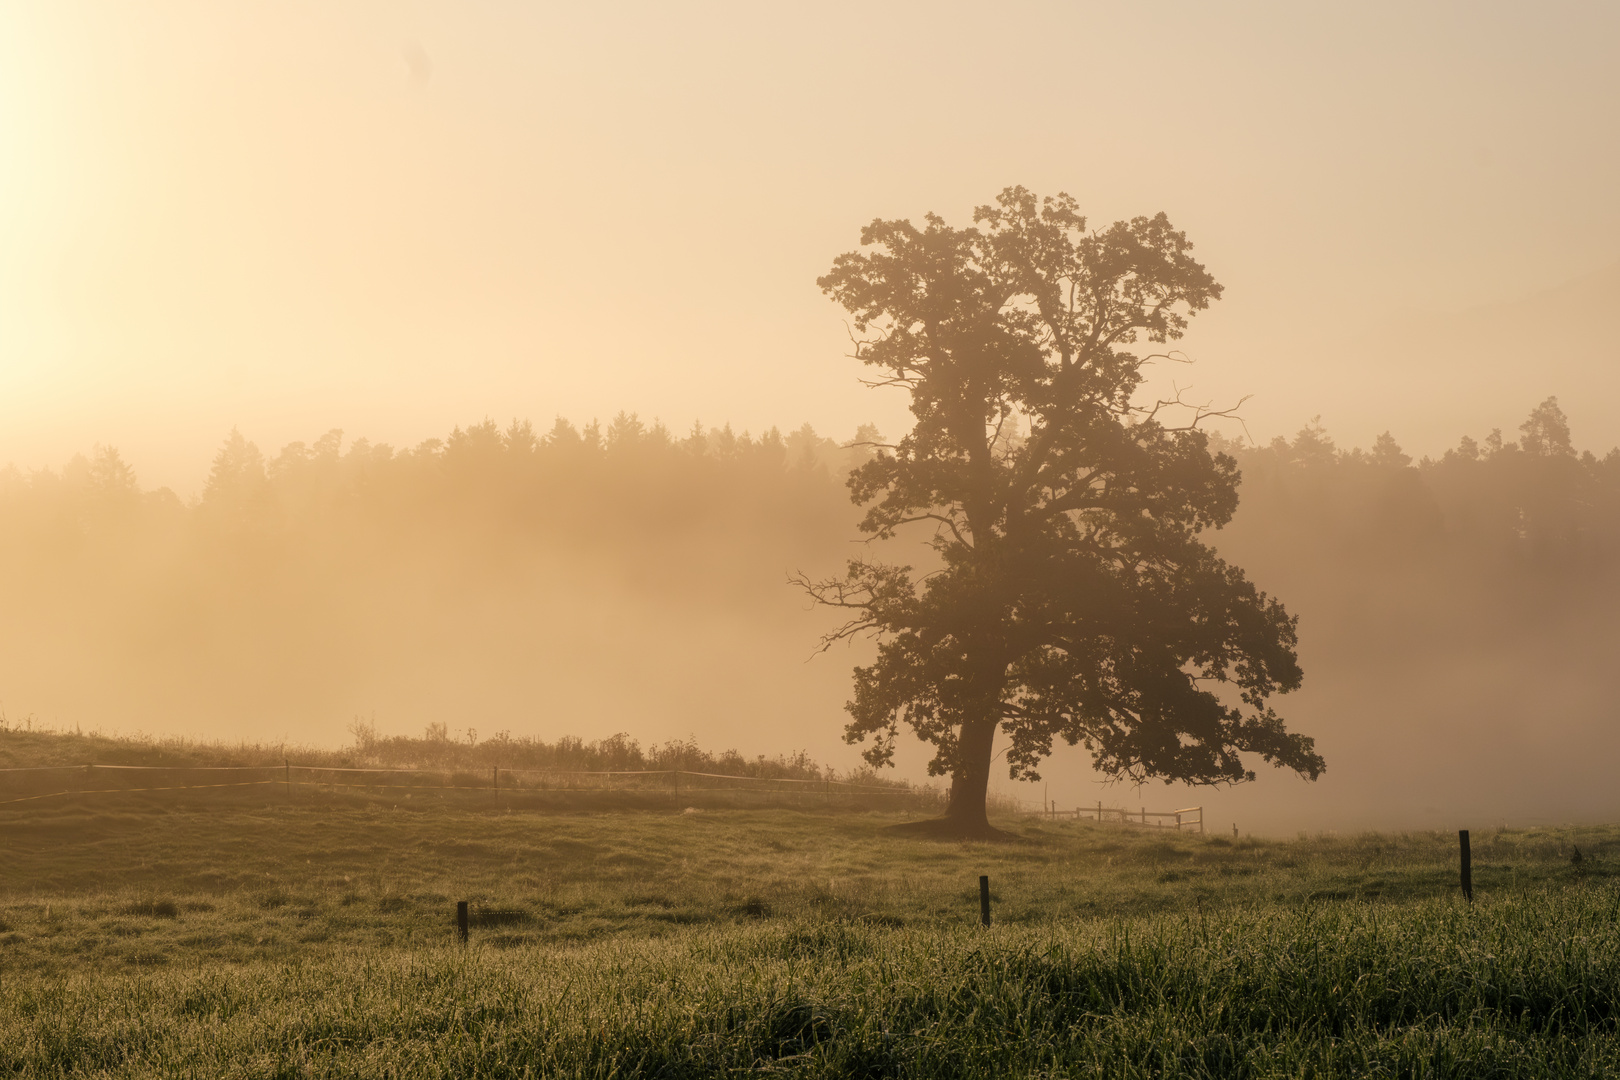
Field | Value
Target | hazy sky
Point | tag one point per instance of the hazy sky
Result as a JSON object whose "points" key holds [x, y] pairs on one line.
{"points": [[397, 217]]}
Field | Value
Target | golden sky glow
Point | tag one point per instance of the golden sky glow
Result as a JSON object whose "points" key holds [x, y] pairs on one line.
{"points": [[398, 217]]}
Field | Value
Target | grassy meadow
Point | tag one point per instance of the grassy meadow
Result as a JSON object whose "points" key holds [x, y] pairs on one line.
{"points": [[261, 935]]}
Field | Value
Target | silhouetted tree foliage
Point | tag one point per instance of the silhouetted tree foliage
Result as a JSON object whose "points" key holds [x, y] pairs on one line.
{"points": [[1075, 599]]}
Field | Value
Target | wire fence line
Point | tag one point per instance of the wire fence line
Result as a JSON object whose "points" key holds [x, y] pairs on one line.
{"points": [[24, 784], [1187, 817]]}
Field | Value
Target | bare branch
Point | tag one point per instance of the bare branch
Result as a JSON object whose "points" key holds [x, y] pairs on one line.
{"points": [[941, 518]]}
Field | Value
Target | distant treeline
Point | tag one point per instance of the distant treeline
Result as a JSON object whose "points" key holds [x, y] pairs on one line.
{"points": [[1532, 501], [22, 745], [1536, 499], [568, 483], [616, 753]]}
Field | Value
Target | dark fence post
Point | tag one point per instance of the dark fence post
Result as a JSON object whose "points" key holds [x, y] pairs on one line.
{"points": [[984, 899], [286, 775], [1467, 866], [495, 777], [461, 920]]}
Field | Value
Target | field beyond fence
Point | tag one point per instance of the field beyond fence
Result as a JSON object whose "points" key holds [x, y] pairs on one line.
{"points": [[524, 787], [42, 767]]}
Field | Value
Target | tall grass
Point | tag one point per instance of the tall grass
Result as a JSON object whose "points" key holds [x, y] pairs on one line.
{"points": [[1526, 985]]}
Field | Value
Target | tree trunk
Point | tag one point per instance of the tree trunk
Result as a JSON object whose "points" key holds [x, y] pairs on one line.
{"points": [[970, 780]]}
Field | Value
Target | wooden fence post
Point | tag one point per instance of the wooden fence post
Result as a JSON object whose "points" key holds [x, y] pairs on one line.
{"points": [[984, 899], [286, 775], [495, 778], [1467, 866], [461, 920]]}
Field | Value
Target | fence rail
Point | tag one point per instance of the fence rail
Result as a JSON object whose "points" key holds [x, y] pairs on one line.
{"points": [[33, 783], [1187, 816]]}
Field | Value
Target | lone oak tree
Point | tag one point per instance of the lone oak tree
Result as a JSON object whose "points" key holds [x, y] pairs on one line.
{"points": [[1073, 597]]}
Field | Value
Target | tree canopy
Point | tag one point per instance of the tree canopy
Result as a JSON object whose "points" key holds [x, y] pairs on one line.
{"points": [[1074, 598]]}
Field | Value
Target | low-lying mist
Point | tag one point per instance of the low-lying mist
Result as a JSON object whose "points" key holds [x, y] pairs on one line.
{"points": [[583, 582], [1457, 617], [1458, 626]]}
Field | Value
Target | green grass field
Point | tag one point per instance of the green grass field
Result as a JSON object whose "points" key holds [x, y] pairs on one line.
{"points": [[315, 936]]}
